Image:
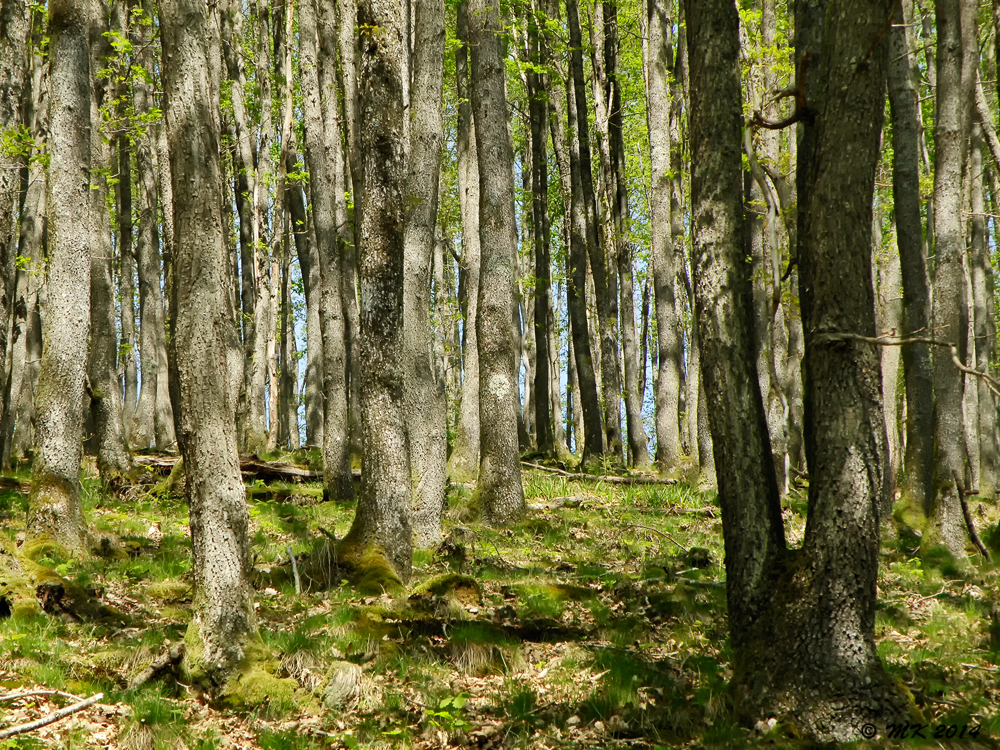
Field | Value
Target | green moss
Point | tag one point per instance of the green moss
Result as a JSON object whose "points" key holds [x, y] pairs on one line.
{"points": [[42, 547], [463, 588], [169, 591], [254, 687], [174, 483]]}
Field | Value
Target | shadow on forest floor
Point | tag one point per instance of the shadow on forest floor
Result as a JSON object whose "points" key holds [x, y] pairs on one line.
{"points": [[598, 621]]}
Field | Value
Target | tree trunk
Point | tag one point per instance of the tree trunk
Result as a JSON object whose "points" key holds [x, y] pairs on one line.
{"points": [[982, 271], [153, 421], [113, 459], [501, 496], [14, 57], [321, 137], [123, 200], [946, 526], [426, 419], [384, 515], [918, 463], [538, 122], [224, 626], [605, 284], [662, 252], [54, 508], [464, 461], [889, 318], [802, 623], [638, 442], [18, 397]]}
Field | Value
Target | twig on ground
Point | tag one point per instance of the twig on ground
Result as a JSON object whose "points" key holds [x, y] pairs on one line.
{"points": [[976, 666], [33, 693], [661, 533], [51, 718]]}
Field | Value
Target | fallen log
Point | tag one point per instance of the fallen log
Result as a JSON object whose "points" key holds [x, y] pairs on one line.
{"points": [[250, 465]]}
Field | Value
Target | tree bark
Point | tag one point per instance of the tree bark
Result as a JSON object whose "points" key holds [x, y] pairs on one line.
{"points": [[18, 403], [426, 420], [384, 515], [662, 252], [538, 122], [605, 284], [224, 626], [917, 368], [321, 138], [501, 496], [464, 462], [946, 527], [14, 56], [981, 270], [54, 508], [638, 442], [802, 622], [113, 459]]}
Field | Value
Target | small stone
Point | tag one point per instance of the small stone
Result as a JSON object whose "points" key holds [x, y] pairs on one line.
{"points": [[599, 727], [573, 720]]}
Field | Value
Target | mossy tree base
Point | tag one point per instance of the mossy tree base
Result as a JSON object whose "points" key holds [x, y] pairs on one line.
{"points": [[364, 566], [249, 684]]}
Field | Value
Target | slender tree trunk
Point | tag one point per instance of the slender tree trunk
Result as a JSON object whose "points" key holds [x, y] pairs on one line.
{"points": [[917, 369], [384, 515], [464, 461], [605, 284], [638, 442], [123, 199], [949, 305], [54, 508], [501, 496], [538, 116], [14, 57], [224, 624], [662, 252], [889, 318], [25, 337], [982, 271], [113, 459], [424, 394], [320, 141]]}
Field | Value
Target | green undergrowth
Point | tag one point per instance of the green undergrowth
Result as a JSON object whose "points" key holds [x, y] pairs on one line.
{"points": [[599, 620]]}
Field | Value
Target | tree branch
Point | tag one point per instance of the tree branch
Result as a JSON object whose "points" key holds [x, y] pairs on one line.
{"points": [[51, 718]]}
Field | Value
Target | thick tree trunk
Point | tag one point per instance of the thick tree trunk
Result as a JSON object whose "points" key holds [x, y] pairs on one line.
{"points": [[224, 626], [426, 420], [464, 462], [384, 515], [501, 496], [54, 508], [662, 252], [946, 526], [918, 463], [320, 141], [803, 622]]}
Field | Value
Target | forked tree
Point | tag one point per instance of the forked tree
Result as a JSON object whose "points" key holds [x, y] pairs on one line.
{"points": [[802, 622]]}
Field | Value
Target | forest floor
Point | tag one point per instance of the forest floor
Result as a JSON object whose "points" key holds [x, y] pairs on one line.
{"points": [[597, 622]]}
